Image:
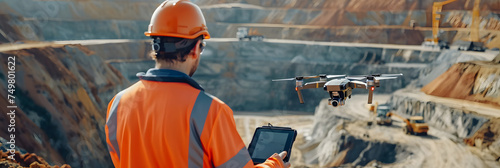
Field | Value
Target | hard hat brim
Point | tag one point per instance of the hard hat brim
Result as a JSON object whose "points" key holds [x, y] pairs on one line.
{"points": [[204, 33]]}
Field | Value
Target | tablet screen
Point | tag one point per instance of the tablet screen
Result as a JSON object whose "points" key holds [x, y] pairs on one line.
{"points": [[269, 143]]}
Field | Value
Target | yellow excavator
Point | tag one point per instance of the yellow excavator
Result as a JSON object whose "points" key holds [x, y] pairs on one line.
{"points": [[473, 44], [414, 125], [436, 17]]}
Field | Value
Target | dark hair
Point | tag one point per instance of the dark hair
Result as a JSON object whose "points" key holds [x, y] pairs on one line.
{"points": [[179, 54]]}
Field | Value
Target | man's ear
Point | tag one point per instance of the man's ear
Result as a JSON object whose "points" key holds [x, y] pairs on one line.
{"points": [[195, 51]]}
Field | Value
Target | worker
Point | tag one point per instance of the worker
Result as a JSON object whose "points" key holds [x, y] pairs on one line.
{"points": [[166, 119]]}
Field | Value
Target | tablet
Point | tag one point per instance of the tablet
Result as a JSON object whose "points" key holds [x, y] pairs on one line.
{"points": [[268, 140]]}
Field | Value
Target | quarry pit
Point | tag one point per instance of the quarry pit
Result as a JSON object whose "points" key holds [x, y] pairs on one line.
{"points": [[72, 57]]}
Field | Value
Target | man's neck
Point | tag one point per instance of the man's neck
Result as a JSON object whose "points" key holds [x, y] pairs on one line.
{"points": [[178, 66]]}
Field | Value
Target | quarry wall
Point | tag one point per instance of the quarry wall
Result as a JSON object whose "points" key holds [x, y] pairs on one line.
{"points": [[365, 21]]}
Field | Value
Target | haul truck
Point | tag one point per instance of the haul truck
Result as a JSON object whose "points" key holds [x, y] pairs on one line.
{"points": [[414, 125], [250, 34]]}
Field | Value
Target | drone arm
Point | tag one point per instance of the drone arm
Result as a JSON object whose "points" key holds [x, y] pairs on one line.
{"points": [[358, 84], [300, 94], [313, 85], [370, 94]]}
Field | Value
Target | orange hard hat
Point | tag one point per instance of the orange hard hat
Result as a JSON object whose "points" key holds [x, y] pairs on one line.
{"points": [[181, 19]]}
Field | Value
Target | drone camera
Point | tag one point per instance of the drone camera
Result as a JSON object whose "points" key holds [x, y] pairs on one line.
{"points": [[335, 102]]}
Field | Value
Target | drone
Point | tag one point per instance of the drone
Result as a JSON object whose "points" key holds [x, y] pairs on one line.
{"points": [[341, 88]]}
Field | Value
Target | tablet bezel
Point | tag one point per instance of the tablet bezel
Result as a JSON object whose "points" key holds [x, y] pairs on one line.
{"points": [[288, 145]]}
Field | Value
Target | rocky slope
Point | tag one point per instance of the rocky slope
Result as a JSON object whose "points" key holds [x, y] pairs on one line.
{"points": [[475, 80], [341, 137], [469, 123], [26, 160], [74, 20], [366, 21], [458, 98], [61, 93], [330, 145], [351, 21]]}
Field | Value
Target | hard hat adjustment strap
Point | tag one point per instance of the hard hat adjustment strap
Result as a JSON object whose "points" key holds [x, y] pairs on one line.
{"points": [[158, 45]]}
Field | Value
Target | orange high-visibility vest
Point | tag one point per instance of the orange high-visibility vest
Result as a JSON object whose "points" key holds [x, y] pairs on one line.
{"points": [[167, 120]]}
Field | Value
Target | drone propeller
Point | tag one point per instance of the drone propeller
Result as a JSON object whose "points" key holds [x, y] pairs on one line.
{"points": [[378, 75], [286, 79], [382, 78], [390, 75], [374, 76], [309, 77], [334, 76], [356, 77], [323, 76]]}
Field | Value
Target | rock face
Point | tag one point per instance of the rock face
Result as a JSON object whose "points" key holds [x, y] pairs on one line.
{"points": [[75, 20], [338, 133], [350, 21], [487, 139], [26, 160], [440, 65], [476, 124], [366, 21], [475, 81], [462, 85], [331, 145], [459, 122], [62, 93]]}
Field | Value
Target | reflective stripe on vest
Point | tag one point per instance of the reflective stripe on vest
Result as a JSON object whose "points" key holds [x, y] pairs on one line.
{"points": [[239, 160], [196, 124], [112, 124]]}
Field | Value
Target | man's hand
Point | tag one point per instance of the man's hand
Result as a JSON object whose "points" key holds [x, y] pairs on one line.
{"points": [[276, 160], [282, 156]]}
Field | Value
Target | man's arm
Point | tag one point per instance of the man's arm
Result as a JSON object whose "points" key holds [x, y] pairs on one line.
{"points": [[226, 147], [112, 151]]}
